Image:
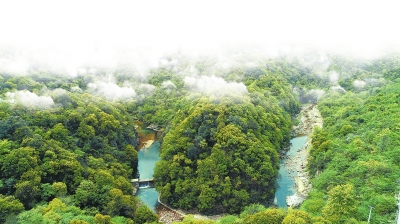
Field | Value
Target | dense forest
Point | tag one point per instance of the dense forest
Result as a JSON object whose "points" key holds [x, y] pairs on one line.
{"points": [[68, 144]]}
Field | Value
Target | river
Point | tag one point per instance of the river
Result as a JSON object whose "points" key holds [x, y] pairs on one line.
{"points": [[147, 161], [288, 171], [147, 158], [287, 174], [293, 182]]}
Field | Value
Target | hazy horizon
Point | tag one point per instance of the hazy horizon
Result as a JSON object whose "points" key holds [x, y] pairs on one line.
{"points": [[75, 33]]}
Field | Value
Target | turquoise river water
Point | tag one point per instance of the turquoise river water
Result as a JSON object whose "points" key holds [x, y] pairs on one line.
{"points": [[147, 161], [285, 181]]}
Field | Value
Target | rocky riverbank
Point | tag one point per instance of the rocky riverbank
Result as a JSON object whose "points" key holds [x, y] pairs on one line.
{"points": [[146, 136], [167, 216], [310, 118], [147, 144]]}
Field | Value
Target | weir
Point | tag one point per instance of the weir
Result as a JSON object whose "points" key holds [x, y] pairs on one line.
{"points": [[143, 183]]}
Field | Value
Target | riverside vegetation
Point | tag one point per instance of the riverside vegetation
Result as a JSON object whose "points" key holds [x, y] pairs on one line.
{"points": [[68, 146]]}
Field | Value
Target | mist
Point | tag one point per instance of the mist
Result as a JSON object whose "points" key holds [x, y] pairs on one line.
{"points": [[359, 84], [127, 39], [109, 90], [334, 77], [168, 84], [100, 32], [338, 89], [29, 100], [211, 85]]}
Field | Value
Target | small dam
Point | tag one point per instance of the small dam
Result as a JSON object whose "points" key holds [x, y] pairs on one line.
{"points": [[143, 183]]}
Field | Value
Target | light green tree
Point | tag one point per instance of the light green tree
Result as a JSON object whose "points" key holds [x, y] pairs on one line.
{"points": [[342, 204], [59, 188]]}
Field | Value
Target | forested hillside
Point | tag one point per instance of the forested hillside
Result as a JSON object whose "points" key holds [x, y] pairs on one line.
{"points": [[68, 144], [356, 155], [221, 156]]}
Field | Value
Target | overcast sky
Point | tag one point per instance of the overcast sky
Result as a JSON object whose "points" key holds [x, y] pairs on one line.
{"points": [[76, 26]]}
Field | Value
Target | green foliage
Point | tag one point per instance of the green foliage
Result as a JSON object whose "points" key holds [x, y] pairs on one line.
{"points": [[275, 85], [346, 129], [87, 194], [102, 219], [19, 161], [341, 205], [55, 212], [315, 204], [27, 189], [251, 209], [273, 216], [357, 148], [5, 147], [159, 76], [297, 217], [78, 222], [47, 192], [219, 153], [144, 215], [228, 219], [130, 156], [121, 220], [120, 204], [214, 157], [44, 153], [9, 205], [59, 188], [190, 219]]}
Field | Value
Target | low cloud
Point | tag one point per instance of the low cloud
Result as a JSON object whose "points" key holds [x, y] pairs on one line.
{"points": [[338, 89], [334, 77], [76, 89], [359, 84], [311, 96], [59, 92], [14, 66], [111, 91], [29, 100], [212, 85], [168, 84], [317, 93], [145, 89], [375, 82]]}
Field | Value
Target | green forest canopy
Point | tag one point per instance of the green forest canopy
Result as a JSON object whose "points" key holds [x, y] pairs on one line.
{"points": [[69, 153]]}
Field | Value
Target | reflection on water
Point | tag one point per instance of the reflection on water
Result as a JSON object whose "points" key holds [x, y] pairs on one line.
{"points": [[147, 160], [285, 179]]}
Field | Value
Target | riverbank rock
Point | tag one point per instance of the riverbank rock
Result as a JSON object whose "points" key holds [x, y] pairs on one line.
{"points": [[310, 118], [147, 144], [168, 216], [295, 200], [300, 185], [154, 127]]}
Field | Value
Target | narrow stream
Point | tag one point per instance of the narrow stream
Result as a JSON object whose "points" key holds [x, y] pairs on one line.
{"points": [[286, 176]]}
